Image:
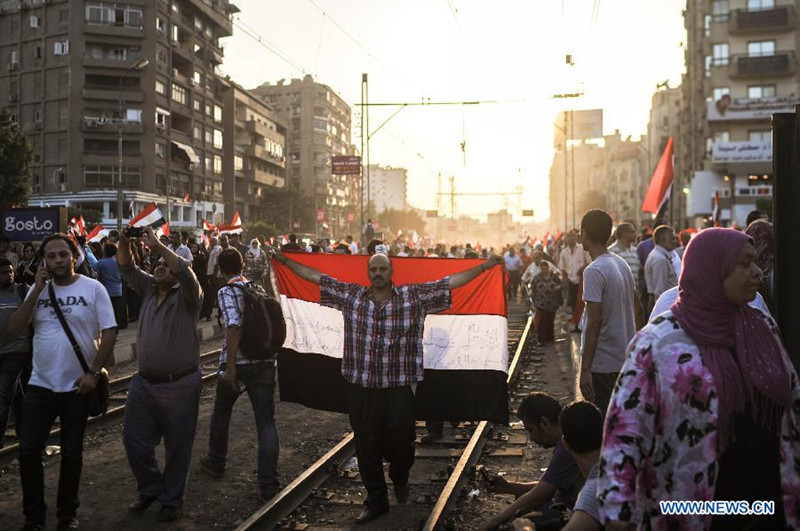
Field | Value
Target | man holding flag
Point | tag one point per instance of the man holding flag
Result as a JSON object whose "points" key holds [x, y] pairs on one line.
{"points": [[382, 363]]}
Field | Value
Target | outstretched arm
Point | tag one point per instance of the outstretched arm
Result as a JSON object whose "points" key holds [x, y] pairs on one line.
{"points": [[459, 279], [305, 272]]}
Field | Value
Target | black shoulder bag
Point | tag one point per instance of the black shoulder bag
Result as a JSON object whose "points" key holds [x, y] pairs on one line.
{"points": [[98, 399]]}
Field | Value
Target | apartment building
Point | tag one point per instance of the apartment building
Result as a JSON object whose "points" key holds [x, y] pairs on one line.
{"points": [[119, 92], [253, 154], [741, 59], [387, 187], [317, 128]]}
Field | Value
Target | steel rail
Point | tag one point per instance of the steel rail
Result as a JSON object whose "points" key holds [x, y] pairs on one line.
{"points": [[471, 453], [109, 418], [293, 495]]}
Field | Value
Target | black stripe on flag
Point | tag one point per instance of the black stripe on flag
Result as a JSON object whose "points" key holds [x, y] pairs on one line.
{"points": [[316, 381]]}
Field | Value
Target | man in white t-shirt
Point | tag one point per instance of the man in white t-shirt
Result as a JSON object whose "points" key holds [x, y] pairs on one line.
{"points": [[612, 314], [58, 386]]}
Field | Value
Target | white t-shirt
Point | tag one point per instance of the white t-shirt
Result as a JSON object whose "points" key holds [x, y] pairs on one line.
{"points": [[609, 281], [87, 310]]}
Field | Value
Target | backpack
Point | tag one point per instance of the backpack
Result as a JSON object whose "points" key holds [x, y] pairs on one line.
{"points": [[369, 232], [263, 326]]}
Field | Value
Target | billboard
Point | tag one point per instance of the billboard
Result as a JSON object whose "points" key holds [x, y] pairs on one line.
{"points": [[32, 224], [727, 152], [580, 125], [727, 108], [346, 165]]}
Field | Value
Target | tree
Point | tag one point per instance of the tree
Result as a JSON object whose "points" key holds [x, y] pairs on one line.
{"points": [[15, 163], [259, 228], [401, 219], [280, 202]]}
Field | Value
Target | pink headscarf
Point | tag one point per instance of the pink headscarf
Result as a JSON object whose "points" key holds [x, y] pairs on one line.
{"points": [[717, 326]]}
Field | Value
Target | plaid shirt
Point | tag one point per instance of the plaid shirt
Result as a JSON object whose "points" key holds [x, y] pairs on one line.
{"points": [[383, 342], [231, 304]]}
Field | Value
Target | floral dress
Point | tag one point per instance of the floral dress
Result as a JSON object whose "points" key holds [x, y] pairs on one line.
{"points": [[660, 436]]}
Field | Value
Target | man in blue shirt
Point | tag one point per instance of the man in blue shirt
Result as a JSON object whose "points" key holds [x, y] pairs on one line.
{"points": [[109, 276]]}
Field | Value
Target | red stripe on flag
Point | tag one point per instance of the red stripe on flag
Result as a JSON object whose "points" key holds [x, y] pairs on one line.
{"points": [[144, 213], [660, 182], [484, 295]]}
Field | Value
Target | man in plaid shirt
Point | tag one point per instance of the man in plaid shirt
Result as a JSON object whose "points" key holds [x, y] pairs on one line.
{"points": [[382, 362]]}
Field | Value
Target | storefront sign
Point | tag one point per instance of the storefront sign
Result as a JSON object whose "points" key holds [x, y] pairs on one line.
{"points": [[33, 224]]}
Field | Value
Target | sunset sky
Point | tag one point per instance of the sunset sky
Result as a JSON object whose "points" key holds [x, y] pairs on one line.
{"points": [[510, 51]]}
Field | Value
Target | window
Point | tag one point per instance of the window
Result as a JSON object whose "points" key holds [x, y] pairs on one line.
{"points": [[161, 26], [217, 113], [209, 109], [760, 135], [209, 136], [161, 88], [197, 104], [161, 149], [198, 133], [61, 48], [761, 91], [707, 25], [760, 5], [722, 136], [197, 77], [760, 48], [720, 54], [721, 91], [238, 163], [109, 14], [720, 10], [161, 118], [63, 114], [707, 68], [103, 176], [209, 163], [217, 164], [161, 56], [178, 94], [217, 139], [35, 21]]}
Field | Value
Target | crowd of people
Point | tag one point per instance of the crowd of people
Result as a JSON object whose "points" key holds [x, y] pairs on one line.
{"points": [[687, 391]]}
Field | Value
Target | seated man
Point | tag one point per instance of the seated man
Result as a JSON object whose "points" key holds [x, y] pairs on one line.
{"points": [[561, 482]]}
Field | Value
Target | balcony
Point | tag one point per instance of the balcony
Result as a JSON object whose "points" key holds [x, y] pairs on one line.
{"points": [[261, 153], [780, 18], [108, 62], [113, 30], [783, 63], [218, 11], [93, 92], [106, 125], [262, 177]]}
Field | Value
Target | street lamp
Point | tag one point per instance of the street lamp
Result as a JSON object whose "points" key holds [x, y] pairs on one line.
{"points": [[138, 66]]}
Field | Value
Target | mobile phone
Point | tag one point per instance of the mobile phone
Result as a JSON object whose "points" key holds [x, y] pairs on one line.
{"points": [[134, 232]]}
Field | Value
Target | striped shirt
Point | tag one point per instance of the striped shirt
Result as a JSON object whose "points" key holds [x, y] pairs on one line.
{"points": [[630, 257], [383, 342]]}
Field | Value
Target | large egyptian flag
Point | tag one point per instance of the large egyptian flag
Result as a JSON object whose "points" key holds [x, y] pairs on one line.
{"points": [[465, 349]]}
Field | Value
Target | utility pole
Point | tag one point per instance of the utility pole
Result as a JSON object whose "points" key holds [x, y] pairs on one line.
{"points": [[572, 157], [363, 134], [453, 197]]}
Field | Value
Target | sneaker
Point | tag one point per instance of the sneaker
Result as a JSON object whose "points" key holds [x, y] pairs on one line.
{"points": [[431, 436], [169, 513], [68, 523], [212, 469], [141, 504]]}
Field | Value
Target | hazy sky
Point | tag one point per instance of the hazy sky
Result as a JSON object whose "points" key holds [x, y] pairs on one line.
{"points": [[465, 50]]}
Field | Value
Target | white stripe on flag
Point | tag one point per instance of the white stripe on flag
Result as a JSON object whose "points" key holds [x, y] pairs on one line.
{"points": [[149, 217], [450, 342]]}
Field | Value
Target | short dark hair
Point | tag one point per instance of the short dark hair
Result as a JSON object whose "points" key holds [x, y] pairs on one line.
{"points": [[622, 227], [293, 238], [470, 254], [230, 261], [109, 250], [114, 233], [5, 262], [63, 237], [754, 215], [371, 246], [537, 405], [582, 426], [597, 225]]}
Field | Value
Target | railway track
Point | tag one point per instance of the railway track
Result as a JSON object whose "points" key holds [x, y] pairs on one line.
{"points": [[329, 493], [117, 395]]}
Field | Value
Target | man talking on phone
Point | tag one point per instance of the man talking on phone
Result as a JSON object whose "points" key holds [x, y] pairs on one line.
{"points": [[58, 386]]}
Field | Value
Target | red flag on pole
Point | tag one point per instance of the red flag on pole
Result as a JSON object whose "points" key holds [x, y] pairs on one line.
{"points": [[660, 183]]}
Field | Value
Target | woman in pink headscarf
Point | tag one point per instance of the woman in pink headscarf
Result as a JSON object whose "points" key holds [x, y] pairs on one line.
{"points": [[707, 404]]}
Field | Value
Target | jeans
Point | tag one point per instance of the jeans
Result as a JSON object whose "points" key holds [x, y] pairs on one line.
{"points": [[603, 384], [259, 381], [40, 409], [11, 365], [514, 278], [120, 306], [383, 425], [153, 411]]}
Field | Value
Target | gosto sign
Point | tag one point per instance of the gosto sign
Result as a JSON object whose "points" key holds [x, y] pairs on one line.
{"points": [[32, 224]]}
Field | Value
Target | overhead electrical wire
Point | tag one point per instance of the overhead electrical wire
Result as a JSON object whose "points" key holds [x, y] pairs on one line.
{"points": [[256, 36]]}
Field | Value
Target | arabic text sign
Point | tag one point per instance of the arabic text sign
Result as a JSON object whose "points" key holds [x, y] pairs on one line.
{"points": [[346, 165], [749, 108], [724, 152]]}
